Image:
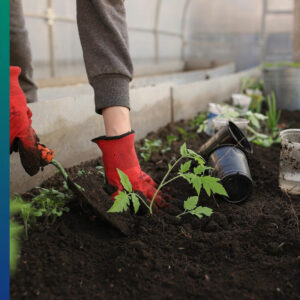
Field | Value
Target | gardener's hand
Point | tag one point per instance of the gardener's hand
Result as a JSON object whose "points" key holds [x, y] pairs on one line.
{"points": [[22, 136], [119, 153]]}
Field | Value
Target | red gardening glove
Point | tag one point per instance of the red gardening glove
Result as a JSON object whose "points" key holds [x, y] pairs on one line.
{"points": [[22, 136], [119, 153]]}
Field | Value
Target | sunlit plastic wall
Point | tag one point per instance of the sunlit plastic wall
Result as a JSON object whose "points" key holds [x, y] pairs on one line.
{"points": [[201, 33]]}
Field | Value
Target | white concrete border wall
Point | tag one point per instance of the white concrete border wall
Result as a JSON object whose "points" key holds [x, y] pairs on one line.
{"points": [[68, 124]]}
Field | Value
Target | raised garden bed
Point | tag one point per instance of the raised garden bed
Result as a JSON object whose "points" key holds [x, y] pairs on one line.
{"points": [[245, 251]]}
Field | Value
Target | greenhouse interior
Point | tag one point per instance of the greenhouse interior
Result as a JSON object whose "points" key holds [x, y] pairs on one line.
{"points": [[195, 190]]}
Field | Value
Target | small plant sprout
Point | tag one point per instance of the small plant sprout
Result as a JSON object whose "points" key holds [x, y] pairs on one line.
{"points": [[51, 204], [81, 172], [64, 173], [27, 212], [15, 231], [196, 177], [185, 134], [197, 121], [170, 140], [149, 148], [252, 83], [273, 115], [257, 99], [255, 119], [100, 170]]}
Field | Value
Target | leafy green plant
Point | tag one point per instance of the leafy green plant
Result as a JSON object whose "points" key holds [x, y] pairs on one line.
{"points": [[15, 231], [255, 119], [261, 139], [51, 204], [185, 134], [203, 127], [257, 99], [170, 140], [273, 115], [197, 121], [27, 212], [149, 148], [196, 177], [252, 83]]}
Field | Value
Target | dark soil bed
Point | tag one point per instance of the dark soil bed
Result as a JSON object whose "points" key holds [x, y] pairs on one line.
{"points": [[245, 251]]}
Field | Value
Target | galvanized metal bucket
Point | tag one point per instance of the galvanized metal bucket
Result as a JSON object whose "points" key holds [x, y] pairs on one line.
{"points": [[285, 83]]}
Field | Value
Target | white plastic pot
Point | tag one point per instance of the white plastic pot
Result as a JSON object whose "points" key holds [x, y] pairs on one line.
{"points": [[242, 101], [289, 172], [241, 123]]}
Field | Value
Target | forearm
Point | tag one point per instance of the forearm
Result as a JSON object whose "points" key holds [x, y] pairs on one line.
{"points": [[103, 34]]}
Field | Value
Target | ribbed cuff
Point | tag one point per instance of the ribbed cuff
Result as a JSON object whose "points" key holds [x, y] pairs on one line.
{"points": [[110, 90], [109, 138]]}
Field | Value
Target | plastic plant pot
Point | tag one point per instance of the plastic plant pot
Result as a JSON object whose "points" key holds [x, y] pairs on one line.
{"points": [[230, 164], [213, 111], [222, 122], [242, 101], [289, 172], [228, 135]]}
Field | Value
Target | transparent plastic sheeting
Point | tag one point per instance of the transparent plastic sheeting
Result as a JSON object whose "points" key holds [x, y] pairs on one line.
{"points": [[201, 33]]}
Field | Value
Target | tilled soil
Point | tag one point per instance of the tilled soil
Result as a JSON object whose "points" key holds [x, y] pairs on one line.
{"points": [[245, 251]]}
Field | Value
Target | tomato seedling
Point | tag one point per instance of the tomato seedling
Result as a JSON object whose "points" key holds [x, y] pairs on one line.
{"points": [[149, 148], [185, 135], [196, 177]]}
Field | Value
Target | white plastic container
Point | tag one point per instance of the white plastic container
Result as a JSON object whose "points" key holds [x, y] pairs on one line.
{"points": [[242, 101], [289, 172], [214, 111], [239, 122]]}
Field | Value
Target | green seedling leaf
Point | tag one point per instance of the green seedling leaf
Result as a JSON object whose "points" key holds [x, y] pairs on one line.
{"points": [[145, 156], [185, 167], [171, 139], [212, 185], [196, 157], [65, 185], [136, 202], [194, 180], [190, 203], [165, 149], [121, 203], [80, 172], [79, 187], [201, 210], [125, 181], [183, 150], [199, 170]]}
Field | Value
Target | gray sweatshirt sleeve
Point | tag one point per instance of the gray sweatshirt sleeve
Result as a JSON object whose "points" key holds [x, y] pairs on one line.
{"points": [[104, 39], [20, 52]]}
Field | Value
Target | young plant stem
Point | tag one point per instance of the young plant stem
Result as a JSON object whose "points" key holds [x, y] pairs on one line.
{"points": [[169, 181], [60, 168], [145, 203], [182, 214], [163, 182]]}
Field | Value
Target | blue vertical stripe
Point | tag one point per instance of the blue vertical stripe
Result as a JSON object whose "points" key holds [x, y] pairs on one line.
{"points": [[4, 149]]}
